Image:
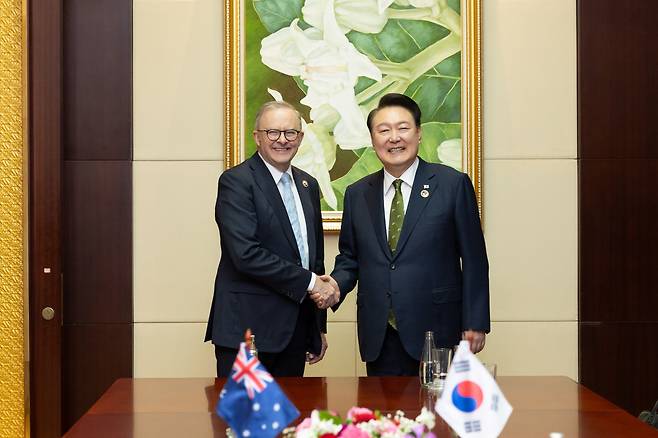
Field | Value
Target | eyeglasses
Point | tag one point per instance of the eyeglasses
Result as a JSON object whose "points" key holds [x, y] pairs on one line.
{"points": [[275, 134]]}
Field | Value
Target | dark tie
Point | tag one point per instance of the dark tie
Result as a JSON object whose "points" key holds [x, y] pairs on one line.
{"points": [[395, 221], [396, 216]]}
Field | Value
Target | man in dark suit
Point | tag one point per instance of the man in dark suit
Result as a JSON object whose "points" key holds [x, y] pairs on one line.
{"points": [[270, 227], [411, 236]]}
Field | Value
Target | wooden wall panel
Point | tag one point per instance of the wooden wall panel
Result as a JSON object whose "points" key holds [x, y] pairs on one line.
{"points": [[97, 206], [98, 79], [618, 55], [98, 242], [93, 370], [622, 362], [619, 240], [618, 200]]}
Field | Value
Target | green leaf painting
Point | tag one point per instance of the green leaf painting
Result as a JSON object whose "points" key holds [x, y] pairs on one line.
{"points": [[277, 14], [334, 59]]}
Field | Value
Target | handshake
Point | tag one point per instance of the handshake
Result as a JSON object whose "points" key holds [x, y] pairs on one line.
{"points": [[325, 292]]}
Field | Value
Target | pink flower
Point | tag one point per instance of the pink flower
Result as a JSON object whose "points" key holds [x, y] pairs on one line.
{"points": [[306, 424], [351, 431], [391, 428], [358, 415]]}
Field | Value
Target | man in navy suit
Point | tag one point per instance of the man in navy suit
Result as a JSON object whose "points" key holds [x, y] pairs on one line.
{"points": [[411, 236], [270, 227]]}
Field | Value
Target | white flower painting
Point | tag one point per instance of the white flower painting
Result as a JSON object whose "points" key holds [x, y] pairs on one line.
{"points": [[334, 59]]}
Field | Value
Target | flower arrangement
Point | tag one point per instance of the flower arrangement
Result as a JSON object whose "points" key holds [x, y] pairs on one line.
{"points": [[363, 423]]}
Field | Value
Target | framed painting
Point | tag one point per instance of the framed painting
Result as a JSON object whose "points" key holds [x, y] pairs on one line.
{"points": [[333, 60]]}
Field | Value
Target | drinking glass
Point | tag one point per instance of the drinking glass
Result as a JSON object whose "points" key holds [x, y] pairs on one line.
{"points": [[442, 358]]}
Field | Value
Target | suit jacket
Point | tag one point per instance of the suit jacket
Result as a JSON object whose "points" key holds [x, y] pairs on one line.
{"points": [[260, 281], [438, 277]]}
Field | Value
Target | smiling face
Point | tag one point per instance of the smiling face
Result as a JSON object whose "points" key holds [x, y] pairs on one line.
{"points": [[278, 153], [395, 138]]}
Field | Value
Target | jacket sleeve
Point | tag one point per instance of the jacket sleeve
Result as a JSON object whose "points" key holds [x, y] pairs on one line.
{"points": [[472, 250], [319, 257], [237, 220], [346, 269]]}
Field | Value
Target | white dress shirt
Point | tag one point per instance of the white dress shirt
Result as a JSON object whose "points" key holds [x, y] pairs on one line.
{"points": [[389, 190], [276, 175]]}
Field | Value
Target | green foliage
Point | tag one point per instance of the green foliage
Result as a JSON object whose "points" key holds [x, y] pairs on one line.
{"points": [[399, 40], [435, 133], [451, 66], [365, 165], [438, 91], [277, 14], [439, 98], [328, 416]]}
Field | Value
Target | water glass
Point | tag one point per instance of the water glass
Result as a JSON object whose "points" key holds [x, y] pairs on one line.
{"points": [[442, 357]]}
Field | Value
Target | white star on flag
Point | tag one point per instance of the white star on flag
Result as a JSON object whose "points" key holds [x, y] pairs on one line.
{"points": [[471, 402]]}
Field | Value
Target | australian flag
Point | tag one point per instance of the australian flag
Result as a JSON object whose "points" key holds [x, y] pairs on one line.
{"points": [[251, 402]]}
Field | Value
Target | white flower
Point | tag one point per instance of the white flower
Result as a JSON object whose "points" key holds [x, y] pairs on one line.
{"points": [[450, 153], [306, 433], [427, 418], [275, 94], [316, 155], [382, 5], [325, 115], [360, 15], [351, 131], [329, 65], [433, 8], [323, 426], [424, 3]]}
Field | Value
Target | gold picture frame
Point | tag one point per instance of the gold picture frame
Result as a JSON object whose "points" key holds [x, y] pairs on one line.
{"points": [[236, 131]]}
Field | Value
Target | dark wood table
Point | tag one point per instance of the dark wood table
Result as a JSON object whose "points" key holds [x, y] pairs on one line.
{"points": [[185, 407]]}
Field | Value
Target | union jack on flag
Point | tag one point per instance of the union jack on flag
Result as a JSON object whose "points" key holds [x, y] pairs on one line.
{"points": [[250, 371], [251, 402]]}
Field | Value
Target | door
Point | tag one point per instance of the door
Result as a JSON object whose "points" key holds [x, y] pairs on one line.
{"points": [[45, 267]]}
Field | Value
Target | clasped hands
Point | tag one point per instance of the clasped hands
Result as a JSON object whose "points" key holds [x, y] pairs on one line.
{"points": [[325, 292]]}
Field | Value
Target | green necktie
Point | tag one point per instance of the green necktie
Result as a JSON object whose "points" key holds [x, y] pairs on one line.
{"points": [[395, 220], [396, 216]]}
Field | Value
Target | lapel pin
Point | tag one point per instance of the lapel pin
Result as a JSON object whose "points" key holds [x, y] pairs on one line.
{"points": [[424, 193], [426, 186], [305, 183]]}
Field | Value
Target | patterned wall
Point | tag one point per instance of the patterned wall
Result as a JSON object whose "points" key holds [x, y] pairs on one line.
{"points": [[12, 375]]}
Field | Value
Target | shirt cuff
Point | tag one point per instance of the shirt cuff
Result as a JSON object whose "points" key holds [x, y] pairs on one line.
{"points": [[310, 287], [311, 284]]}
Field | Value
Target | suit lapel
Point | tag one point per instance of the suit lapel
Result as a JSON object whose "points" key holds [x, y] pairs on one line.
{"points": [[309, 214], [375, 199], [424, 180], [264, 180]]}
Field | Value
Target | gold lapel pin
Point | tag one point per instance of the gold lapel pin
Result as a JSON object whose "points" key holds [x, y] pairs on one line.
{"points": [[305, 183], [424, 193]]}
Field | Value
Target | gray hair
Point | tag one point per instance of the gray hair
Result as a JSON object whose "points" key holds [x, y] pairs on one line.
{"points": [[272, 105]]}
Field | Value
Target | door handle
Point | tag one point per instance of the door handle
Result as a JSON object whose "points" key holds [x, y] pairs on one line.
{"points": [[48, 313]]}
